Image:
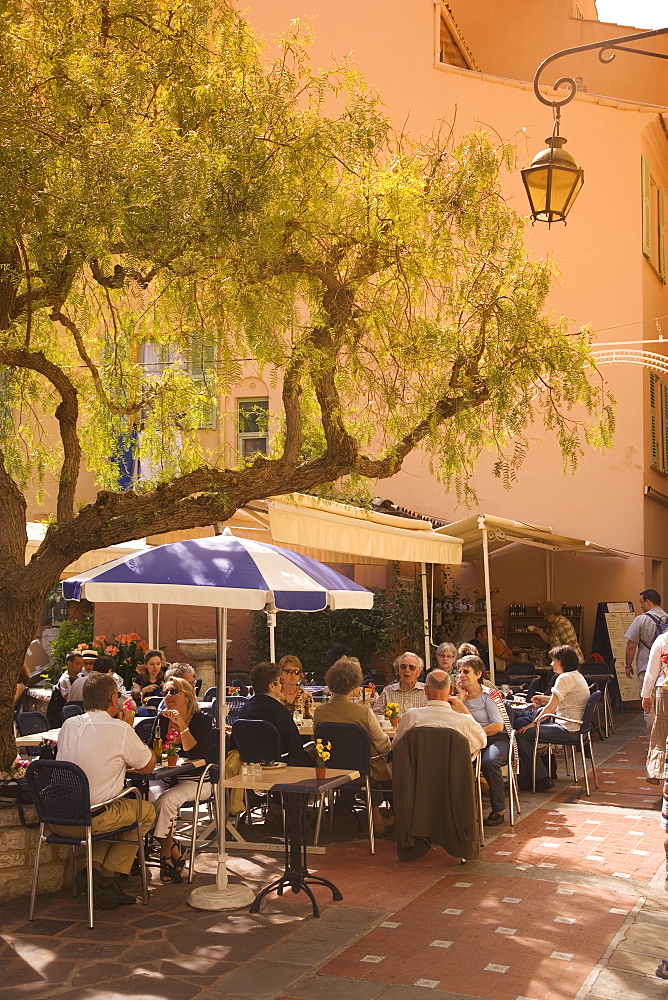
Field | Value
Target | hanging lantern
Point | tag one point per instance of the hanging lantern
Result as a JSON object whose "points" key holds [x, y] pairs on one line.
{"points": [[553, 181]]}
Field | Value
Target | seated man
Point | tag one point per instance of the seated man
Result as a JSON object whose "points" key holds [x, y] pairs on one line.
{"points": [[74, 667], [89, 657], [443, 708], [104, 746], [408, 691], [265, 704]]}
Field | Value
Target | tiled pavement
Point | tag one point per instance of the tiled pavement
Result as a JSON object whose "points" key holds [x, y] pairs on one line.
{"points": [[568, 906]]}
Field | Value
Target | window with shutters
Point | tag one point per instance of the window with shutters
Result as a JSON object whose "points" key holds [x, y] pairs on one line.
{"points": [[653, 238], [253, 426], [658, 408], [202, 368]]}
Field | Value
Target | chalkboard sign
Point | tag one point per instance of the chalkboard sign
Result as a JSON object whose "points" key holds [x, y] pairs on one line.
{"points": [[612, 621]]}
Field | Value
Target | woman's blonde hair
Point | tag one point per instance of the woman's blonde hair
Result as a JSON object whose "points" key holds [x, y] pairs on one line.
{"points": [[191, 700], [290, 661]]}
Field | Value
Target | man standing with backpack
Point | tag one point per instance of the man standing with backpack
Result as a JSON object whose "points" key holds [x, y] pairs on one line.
{"points": [[641, 634]]}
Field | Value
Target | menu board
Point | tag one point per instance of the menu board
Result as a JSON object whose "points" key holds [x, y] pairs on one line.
{"points": [[612, 622]]}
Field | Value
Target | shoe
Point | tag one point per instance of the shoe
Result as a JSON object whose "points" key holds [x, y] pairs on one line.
{"points": [[114, 886], [386, 824], [168, 872], [494, 819], [179, 861], [103, 896], [653, 781]]}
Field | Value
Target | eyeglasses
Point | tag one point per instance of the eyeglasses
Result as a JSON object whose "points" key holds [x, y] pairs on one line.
{"points": [[446, 656], [408, 666], [290, 670], [167, 691]]}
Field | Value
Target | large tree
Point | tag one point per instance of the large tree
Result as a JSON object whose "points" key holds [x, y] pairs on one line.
{"points": [[160, 183]]}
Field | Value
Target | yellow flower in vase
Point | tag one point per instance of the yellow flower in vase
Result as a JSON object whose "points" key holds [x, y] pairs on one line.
{"points": [[322, 753], [392, 710]]}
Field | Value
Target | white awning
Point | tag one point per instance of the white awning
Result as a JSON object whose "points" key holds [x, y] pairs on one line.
{"points": [[340, 531], [503, 532]]}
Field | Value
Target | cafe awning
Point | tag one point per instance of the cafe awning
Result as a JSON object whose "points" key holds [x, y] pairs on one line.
{"points": [[503, 532]]}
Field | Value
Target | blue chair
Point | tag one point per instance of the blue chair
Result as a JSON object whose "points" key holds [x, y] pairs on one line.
{"points": [[28, 724], [210, 694], [153, 701], [145, 730], [198, 685], [72, 708], [256, 740], [60, 794], [234, 706], [351, 749], [580, 740]]}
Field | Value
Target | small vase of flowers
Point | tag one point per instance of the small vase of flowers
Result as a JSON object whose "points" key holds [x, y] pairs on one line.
{"points": [[392, 713], [322, 755]]}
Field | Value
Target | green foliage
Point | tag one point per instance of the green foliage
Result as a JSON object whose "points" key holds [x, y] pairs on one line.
{"points": [[71, 634], [309, 636]]}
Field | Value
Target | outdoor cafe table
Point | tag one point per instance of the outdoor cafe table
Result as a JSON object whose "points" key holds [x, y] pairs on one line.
{"points": [[295, 785]]}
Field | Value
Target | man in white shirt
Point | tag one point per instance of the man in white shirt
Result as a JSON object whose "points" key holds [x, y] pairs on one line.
{"points": [[89, 658], [640, 637], [443, 709], [104, 746], [74, 667]]}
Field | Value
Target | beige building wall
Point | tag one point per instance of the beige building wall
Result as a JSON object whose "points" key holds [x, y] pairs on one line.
{"points": [[604, 280]]}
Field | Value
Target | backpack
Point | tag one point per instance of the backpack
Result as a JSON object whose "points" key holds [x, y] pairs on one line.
{"points": [[659, 628]]}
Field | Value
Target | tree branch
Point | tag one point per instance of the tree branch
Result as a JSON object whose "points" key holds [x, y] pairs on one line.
{"points": [[67, 414]]}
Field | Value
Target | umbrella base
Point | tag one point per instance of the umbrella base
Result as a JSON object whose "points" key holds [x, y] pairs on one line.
{"points": [[229, 897]]}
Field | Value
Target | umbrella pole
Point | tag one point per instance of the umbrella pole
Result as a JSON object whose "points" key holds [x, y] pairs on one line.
{"points": [[222, 895], [271, 622], [149, 633]]}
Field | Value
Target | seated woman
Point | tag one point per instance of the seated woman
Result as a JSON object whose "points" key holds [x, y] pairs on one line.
{"points": [[446, 656], [293, 695], [181, 722], [485, 711], [147, 682], [567, 703], [344, 680], [21, 682]]}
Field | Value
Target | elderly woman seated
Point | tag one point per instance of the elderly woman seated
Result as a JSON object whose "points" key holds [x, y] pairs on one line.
{"points": [[344, 680]]}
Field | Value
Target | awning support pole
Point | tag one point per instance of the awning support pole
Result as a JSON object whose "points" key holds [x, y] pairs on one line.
{"points": [[426, 625], [157, 629], [488, 597]]}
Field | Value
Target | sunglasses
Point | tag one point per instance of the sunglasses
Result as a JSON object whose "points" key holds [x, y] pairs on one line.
{"points": [[289, 670], [167, 691]]}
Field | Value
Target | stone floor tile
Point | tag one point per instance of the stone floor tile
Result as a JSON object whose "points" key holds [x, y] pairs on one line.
{"points": [[261, 980], [335, 988]]}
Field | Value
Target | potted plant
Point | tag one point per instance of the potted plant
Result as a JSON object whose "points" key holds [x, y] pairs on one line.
{"points": [[392, 713], [322, 755]]}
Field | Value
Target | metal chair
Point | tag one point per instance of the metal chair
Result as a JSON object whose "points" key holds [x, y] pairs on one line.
{"points": [[210, 773], [153, 701], [596, 673], [351, 750], [575, 740], [71, 709], [234, 707], [61, 796], [210, 694], [198, 685]]}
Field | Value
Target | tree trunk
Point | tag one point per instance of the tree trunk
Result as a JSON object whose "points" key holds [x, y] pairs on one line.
{"points": [[19, 621]]}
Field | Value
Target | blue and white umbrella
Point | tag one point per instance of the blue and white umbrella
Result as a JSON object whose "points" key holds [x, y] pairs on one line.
{"points": [[220, 572]]}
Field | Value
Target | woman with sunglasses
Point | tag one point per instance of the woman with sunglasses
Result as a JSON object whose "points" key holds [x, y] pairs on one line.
{"points": [[293, 695], [180, 723]]}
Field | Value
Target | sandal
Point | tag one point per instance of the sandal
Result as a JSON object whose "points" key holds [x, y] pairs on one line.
{"points": [[178, 862], [168, 873]]}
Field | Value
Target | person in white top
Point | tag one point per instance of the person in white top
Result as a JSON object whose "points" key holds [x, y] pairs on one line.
{"points": [[654, 696], [104, 746], [443, 708], [74, 667]]}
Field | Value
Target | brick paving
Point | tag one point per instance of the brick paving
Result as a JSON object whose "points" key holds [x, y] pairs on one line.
{"points": [[570, 905]]}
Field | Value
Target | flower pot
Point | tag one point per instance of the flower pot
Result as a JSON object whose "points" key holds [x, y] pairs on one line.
{"points": [[172, 759], [394, 722], [320, 773]]}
